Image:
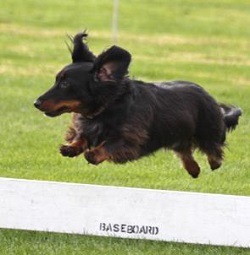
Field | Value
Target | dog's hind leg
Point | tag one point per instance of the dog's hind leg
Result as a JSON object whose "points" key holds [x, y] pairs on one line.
{"points": [[214, 156], [213, 151], [188, 162]]}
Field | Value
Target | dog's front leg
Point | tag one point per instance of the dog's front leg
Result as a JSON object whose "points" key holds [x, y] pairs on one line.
{"points": [[119, 151], [75, 148], [97, 154]]}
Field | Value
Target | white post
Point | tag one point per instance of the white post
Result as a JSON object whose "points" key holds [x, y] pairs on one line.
{"points": [[115, 21]]}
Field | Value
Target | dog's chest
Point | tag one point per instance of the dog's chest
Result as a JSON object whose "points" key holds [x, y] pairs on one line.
{"points": [[95, 132]]}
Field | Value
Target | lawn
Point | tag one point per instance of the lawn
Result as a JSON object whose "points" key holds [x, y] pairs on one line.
{"points": [[206, 42]]}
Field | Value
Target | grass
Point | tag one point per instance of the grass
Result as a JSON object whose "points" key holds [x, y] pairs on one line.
{"points": [[205, 42], [19, 243]]}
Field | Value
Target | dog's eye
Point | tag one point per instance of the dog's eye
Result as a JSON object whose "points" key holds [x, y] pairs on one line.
{"points": [[64, 85]]}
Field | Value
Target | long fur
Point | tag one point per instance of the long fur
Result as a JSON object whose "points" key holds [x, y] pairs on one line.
{"points": [[120, 119]]}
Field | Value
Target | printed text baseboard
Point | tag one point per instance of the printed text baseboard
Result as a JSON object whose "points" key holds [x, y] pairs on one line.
{"points": [[125, 212]]}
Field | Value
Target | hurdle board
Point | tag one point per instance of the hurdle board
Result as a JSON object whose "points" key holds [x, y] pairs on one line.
{"points": [[125, 212]]}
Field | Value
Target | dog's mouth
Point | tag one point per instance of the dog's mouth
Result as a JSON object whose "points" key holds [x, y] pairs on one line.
{"points": [[53, 108], [57, 112]]}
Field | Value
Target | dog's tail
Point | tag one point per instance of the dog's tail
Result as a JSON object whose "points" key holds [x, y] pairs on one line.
{"points": [[231, 116]]}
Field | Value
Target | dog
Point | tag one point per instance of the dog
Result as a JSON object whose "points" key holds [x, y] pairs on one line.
{"points": [[119, 119]]}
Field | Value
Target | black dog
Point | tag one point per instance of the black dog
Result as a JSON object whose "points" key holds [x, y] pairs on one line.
{"points": [[119, 119]]}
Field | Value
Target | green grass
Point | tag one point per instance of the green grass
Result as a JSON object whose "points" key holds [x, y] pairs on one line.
{"points": [[206, 42], [19, 243]]}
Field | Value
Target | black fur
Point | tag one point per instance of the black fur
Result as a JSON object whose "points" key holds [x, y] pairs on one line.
{"points": [[120, 119]]}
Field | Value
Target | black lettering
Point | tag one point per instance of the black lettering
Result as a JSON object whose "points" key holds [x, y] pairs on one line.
{"points": [[156, 230], [150, 230], [109, 227], [116, 227], [130, 229], [143, 230], [136, 229], [123, 228], [102, 226]]}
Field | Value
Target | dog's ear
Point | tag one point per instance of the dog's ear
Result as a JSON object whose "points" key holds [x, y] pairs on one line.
{"points": [[81, 52], [112, 64]]}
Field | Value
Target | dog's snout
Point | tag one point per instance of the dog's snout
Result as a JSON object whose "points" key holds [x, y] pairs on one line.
{"points": [[37, 103]]}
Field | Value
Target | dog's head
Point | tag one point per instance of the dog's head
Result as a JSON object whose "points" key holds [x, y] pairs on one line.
{"points": [[82, 86]]}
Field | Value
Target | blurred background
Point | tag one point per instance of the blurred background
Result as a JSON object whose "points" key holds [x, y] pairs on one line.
{"points": [[206, 42]]}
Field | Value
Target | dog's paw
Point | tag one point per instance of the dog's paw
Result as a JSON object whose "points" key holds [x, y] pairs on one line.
{"points": [[192, 167], [92, 157], [215, 164], [70, 151]]}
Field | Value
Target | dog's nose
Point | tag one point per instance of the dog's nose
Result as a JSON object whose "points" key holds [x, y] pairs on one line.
{"points": [[37, 103]]}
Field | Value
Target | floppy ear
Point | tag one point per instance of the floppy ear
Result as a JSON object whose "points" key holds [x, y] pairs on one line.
{"points": [[112, 64], [81, 52]]}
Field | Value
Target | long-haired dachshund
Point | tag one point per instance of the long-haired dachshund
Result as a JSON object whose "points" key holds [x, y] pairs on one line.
{"points": [[120, 119]]}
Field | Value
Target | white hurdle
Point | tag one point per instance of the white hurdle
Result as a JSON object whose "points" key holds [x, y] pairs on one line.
{"points": [[125, 212]]}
